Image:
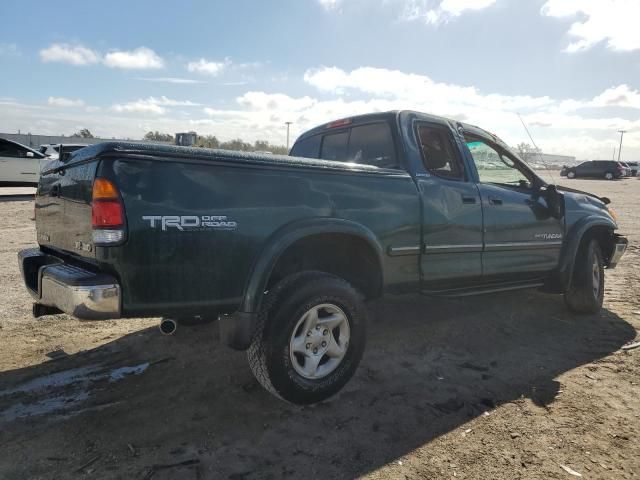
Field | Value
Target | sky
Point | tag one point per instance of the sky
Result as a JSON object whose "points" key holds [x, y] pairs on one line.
{"points": [[240, 68]]}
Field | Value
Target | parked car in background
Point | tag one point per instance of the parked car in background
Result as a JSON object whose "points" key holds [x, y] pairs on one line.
{"points": [[607, 169], [19, 165], [633, 166], [52, 150]]}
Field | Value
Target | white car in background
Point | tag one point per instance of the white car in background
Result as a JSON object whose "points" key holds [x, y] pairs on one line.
{"points": [[634, 168], [20, 165]]}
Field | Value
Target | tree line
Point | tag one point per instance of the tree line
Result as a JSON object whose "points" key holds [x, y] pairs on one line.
{"points": [[207, 141], [211, 141]]}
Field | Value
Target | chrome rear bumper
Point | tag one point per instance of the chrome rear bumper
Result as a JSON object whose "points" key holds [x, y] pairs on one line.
{"points": [[76, 291]]}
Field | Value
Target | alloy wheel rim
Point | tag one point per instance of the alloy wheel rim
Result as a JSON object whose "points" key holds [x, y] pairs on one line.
{"points": [[319, 341]]}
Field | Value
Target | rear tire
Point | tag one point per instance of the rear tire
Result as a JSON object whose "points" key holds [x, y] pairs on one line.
{"points": [[587, 284], [287, 337]]}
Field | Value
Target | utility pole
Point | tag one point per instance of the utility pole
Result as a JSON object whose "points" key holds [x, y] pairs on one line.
{"points": [[622, 132], [288, 124], [614, 154]]}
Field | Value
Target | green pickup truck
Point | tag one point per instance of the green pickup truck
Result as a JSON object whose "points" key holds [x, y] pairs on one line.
{"points": [[285, 250]]}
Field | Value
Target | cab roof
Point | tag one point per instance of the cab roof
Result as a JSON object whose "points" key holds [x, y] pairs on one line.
{"points": [[396, 116]]}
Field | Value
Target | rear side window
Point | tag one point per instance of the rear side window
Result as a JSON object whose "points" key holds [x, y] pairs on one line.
{"points": [[334, 146], [438, 153], [372, 145], [308, 147]]}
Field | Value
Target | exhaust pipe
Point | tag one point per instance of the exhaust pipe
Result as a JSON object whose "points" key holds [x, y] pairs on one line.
{"points": [[168, 326]]}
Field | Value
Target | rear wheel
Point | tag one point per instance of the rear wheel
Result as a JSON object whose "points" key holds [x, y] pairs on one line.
{"points": [[310, 337], [587, 285], [571, 175], [608, 176]]}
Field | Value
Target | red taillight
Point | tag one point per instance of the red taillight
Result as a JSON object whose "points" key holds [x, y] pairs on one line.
{"points": [[107, 213]]}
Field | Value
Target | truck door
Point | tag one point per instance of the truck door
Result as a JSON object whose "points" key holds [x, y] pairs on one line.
{"points": [[451, 213], [522, 240]]}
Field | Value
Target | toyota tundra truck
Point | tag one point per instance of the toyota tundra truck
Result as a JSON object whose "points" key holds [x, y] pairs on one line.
{"points": [[285, 251]]}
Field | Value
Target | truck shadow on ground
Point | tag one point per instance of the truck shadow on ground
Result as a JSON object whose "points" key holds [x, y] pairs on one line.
{"points": [[430, 366], [16, 198]]}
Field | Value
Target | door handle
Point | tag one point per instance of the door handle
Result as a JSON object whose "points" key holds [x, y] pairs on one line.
{"points": [[55, 190], [495, 201], [468, 200]]}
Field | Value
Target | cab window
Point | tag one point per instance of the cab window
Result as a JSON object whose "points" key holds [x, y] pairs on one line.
{"points": [[438, 153], [308, 147], [372, 145], [334, 146], [496, 166]]}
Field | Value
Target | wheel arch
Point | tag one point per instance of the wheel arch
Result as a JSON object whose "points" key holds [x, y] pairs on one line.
{"points": [[281, 243], [597, 227]]}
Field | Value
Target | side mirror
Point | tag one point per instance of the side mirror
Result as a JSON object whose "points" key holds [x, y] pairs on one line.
{"points": [[29, 155], [555, 201]]}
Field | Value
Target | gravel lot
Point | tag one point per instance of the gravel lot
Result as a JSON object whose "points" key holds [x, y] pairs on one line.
{"points": [[504, 386]]}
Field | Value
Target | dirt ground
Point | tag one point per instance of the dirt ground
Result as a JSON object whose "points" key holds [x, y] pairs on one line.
{"points": [[496, 387]]}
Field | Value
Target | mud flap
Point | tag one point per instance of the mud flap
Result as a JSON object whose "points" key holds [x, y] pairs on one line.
{"points": [[236, 330]]}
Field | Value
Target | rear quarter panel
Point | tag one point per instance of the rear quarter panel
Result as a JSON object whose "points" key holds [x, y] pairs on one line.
{"points": [[200, 270]]}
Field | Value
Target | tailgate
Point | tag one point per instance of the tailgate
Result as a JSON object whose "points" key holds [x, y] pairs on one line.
{"points": [[63, 207]]}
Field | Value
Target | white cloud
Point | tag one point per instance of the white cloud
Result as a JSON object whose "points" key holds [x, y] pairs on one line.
{"points": [[583, 127], [208, 67], [65, 102], [417, 89], [168, 102], [71, 54], [458, 7], [557, 124], [426, 11], [329, 4], [274, 102], [175, 80], [620, 96], [613, 21], [154, 105], [432, 12], [139, 106], [140, 58]]}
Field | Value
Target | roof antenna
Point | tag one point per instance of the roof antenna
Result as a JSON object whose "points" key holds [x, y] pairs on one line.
{"points": [[537, 150]]}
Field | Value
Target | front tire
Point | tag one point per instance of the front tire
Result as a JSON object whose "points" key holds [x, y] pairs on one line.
{"points": [[608, 176], [310, 337], [587, 284], [571, 175]]}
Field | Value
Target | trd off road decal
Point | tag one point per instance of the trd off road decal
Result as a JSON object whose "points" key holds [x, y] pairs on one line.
{"points": [[190, 222]]}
